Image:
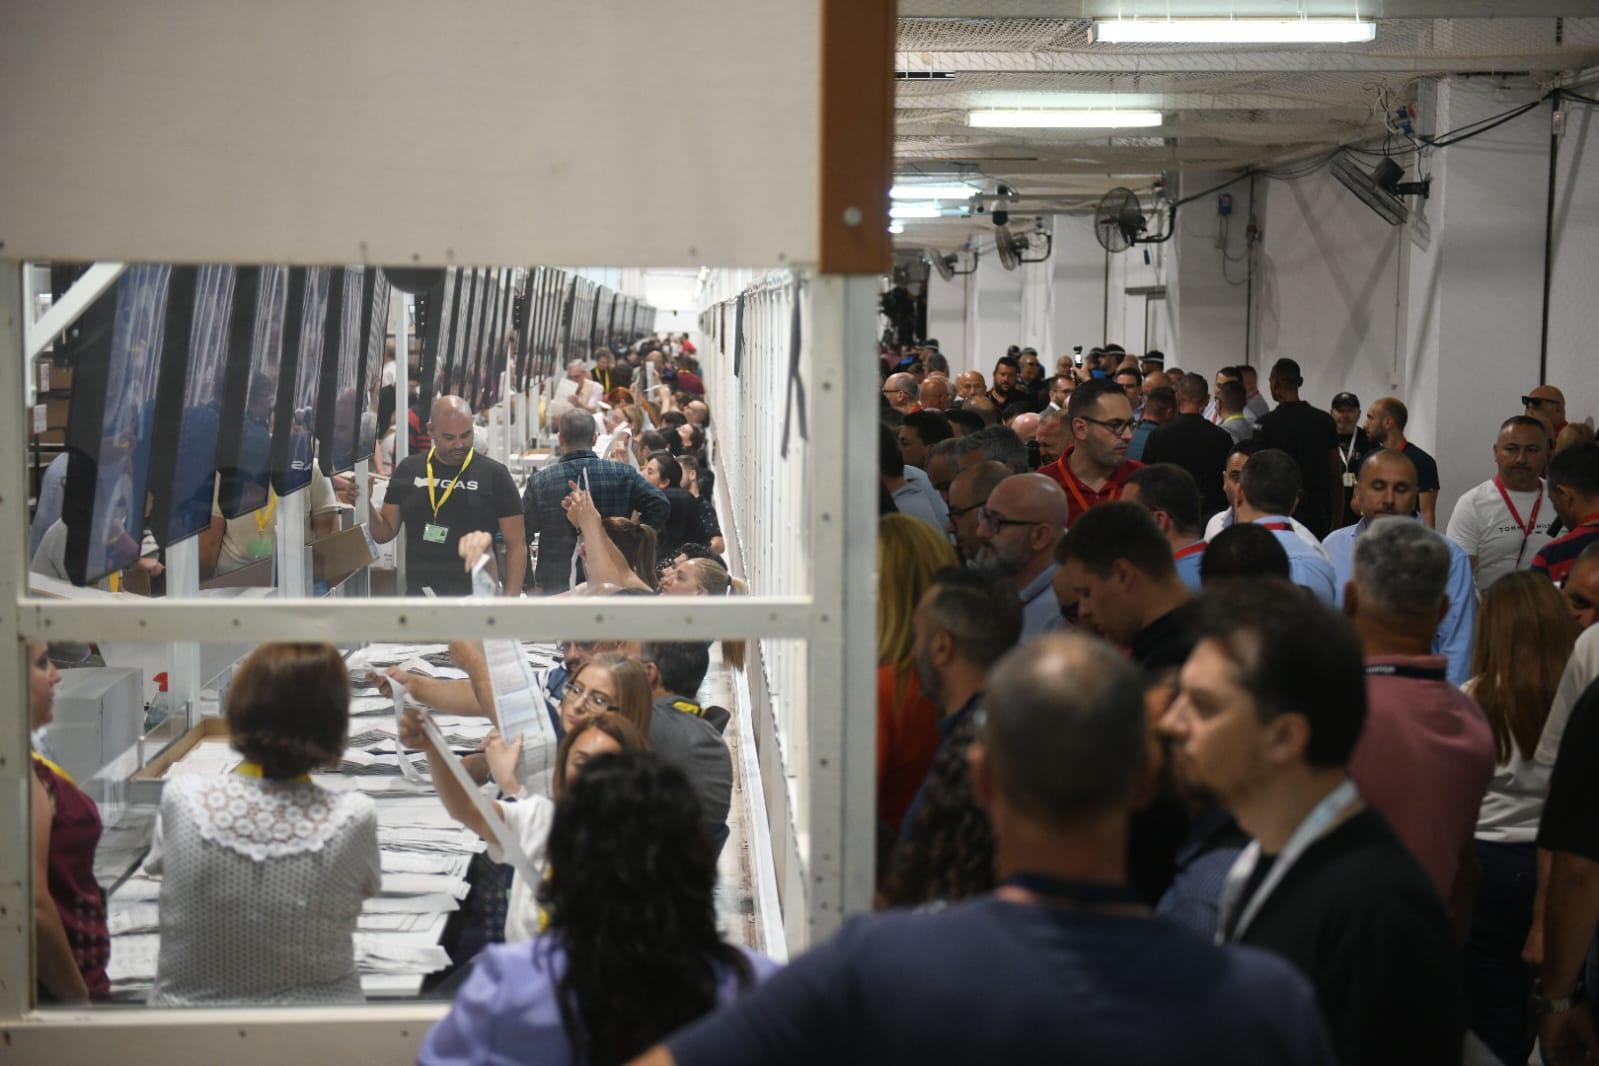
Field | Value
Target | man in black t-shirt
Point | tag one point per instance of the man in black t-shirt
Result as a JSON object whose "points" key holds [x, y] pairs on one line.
{"points": [[1309, 436], [1272, 702], [1353, 444], [683, 524], [1061, 964], [441, 495], [1385, 427]]}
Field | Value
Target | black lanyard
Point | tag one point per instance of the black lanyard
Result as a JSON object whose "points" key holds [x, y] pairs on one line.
{"points": [[1413, 673]]}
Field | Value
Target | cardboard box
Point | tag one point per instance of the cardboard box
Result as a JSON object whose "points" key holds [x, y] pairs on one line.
{"points": [[334, 558]]}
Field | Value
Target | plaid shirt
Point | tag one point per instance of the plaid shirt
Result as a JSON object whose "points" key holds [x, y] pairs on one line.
{"points": [[618, 491]]}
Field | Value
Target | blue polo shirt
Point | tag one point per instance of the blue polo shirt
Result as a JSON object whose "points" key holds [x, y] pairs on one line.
{"points": [[1307, 566]]}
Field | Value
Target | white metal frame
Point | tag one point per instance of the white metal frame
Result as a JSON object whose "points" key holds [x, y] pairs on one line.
{"points": [[828, 778]]}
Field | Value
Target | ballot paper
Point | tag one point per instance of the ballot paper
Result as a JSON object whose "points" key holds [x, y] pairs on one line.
{"points": [[400, 696], [518, 698], [509, 844]]}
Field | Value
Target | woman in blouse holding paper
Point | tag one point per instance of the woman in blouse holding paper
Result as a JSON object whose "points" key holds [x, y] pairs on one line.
{"points": [[527, 818], [264, 872]]}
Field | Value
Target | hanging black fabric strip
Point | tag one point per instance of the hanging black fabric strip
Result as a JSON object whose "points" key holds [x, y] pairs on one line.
{"points": [[796, 386], [738, 336]]}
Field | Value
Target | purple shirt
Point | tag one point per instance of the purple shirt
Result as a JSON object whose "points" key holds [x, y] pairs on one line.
{"points": [[1424, 760], [506, 1012]]}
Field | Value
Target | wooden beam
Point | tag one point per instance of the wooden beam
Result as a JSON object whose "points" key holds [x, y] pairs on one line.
{"points": [[857, 131]]}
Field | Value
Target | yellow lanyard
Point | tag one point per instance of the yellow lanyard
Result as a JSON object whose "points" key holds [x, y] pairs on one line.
{"points": [[434, 500], [263, 515], [55, 769], [251, 769], [689, 707], [114, 581]]}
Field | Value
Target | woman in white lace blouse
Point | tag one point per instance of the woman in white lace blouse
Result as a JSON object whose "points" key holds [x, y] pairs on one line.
{"points": [[264, 873]]}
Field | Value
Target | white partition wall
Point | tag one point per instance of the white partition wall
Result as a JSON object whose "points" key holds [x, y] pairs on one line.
{"points": [[328, 145]]}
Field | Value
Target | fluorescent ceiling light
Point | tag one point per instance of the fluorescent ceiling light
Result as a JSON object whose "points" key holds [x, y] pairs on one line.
{"points": [[933, 192], [915, 210], [1063, 119], [1233, 31], [895, 227]]}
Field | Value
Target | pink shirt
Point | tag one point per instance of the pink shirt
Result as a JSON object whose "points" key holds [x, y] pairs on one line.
{"points": [[1424, 759]]}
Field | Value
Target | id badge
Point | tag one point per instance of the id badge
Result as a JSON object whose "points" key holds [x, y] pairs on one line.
{"points": [[259, 549], [435, 534], [1350, 479]]}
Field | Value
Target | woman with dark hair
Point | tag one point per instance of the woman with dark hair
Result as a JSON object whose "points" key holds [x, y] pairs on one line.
{"points": [[632, 951], [71, 942], [526, 816], [264, 873]]}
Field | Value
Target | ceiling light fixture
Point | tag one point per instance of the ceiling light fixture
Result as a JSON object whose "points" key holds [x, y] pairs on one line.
{"points": [[896, 227], [1234, 31], [915, 210], [933, 192], [1062, 119]]}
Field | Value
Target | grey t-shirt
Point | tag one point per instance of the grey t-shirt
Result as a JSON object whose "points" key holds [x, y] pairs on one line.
{"points": [[695, 746]]}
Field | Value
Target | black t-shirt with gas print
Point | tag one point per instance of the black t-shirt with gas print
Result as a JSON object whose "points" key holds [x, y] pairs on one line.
{"points": [[484, 494]]}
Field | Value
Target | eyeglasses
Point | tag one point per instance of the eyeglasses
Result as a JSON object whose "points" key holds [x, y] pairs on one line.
{"points": [[956, 512], [1536, 401], [1117, 426], [586, 697], [994, 520]]}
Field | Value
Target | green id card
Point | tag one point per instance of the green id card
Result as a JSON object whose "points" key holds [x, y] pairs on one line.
{"points": [[260, 549], [435, 534]]}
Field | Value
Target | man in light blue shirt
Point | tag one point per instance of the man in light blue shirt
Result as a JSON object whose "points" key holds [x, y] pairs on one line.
{"points": [[1268, 492], [1017, 531], [1387, 487], [1172, 496]]}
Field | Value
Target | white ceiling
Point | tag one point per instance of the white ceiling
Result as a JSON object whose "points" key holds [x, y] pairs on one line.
{"points": [[1225, 107]]}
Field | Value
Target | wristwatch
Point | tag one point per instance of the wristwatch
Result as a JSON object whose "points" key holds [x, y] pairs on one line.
{"points": [[1559, 1004]]}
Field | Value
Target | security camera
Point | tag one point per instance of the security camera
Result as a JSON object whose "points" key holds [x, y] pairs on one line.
{"points": [[1001, 217]]}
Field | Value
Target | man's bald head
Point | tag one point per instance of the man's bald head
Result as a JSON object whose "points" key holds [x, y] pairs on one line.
{"points": [[900, 391], [935, 393], [1025, 425], [1032, 498], [1154, 380], [1386, 485], [1548, 405], [970, 384], [450, 426]]}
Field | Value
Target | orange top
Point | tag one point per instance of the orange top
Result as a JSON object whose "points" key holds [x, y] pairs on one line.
{"points": [[907, 740]]}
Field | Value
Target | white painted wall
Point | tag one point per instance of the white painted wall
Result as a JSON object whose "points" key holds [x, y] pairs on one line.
{"points": [[946, 318], [1209, 299], [999, 313], [1573, 309], [1326, 283], [673, 294]]}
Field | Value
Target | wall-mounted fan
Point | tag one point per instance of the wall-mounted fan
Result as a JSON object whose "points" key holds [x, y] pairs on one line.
{"points": [[946, 265], [1119, 220], [1012, 247]]}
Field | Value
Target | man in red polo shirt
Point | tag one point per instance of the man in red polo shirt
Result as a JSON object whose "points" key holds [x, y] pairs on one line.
{"points": [[1573, 486], [1095, 466]]}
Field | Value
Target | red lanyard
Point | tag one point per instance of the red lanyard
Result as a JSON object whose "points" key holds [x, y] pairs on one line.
{"points": [[1111, 490], [1530, 524], [1279, 526], [1193, 549]]}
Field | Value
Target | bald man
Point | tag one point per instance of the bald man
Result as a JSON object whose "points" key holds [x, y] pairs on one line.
{"points": [[443, 494], [900, 391], [935, 395], [1548, 405], [969, 385], [1025, 426], [1017, 530]]}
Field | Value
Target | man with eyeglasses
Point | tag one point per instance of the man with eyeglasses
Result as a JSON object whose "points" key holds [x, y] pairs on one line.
{"points": [[1548, 405], [1095, 466], [901, 392], [968, 492], [1017, 530], [686, 734]]}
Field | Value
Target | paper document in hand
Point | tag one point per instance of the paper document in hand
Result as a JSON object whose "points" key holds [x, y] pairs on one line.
{"points": [[400, 697], [510, 846], [518, 701]]}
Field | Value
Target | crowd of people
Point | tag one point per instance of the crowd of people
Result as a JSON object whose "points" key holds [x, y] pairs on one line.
{"points": [[1196, 741]]}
